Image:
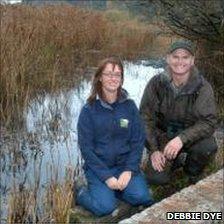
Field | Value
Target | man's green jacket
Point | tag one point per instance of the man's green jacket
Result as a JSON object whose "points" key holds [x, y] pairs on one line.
{"points": [[189, 110]]}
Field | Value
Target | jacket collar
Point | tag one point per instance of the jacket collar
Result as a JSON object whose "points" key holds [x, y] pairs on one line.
{"points": [[193, 84], [122, 98]]}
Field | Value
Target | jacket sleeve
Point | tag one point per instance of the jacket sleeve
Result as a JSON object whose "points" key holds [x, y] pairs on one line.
{"points": [[86, 144], [205, 110], [148, 107], [136, 142]]}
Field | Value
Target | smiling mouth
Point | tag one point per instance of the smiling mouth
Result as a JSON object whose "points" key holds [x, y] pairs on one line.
{"points": [[180, 67], [113, 83]]}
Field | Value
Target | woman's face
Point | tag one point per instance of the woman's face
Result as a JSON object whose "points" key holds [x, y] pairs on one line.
{"points": [[111, 78]]}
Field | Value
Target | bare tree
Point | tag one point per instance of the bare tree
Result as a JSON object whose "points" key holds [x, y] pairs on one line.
{"points": [[203, 22], [194, 19]]}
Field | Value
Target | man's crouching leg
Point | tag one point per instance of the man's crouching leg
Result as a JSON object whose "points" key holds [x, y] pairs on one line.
{"points": [[156, 177], [199, 155]]}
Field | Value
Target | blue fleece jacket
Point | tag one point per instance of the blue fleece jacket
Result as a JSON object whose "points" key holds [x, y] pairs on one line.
{"points": [[111, 136]]}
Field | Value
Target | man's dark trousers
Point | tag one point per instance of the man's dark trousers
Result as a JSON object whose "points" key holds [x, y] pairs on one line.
{"points": [[198, 154]]}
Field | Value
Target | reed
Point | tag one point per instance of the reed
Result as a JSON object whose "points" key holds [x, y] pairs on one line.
{"points": [[20, 206], [43, 47], [59, 199], [30, 200]]}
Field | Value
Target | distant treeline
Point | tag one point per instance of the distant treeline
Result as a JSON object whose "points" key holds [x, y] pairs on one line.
{"points": [[102, 4], [134, 6]]}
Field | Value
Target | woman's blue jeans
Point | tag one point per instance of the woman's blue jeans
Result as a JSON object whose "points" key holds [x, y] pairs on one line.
{"points": [[101, 200]]}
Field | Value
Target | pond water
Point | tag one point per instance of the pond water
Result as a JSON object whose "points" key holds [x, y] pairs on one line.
{"points": [[47, 147]]}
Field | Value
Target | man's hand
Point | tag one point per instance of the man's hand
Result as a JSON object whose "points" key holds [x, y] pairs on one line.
{"points": [[172, 148], [158, 161], [112, 183], [124, 179]]}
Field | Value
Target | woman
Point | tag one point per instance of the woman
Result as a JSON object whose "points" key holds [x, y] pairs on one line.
{"points": [[111, 138]]}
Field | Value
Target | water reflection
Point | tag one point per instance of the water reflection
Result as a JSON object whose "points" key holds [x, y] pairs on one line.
{"points": [[48, 146], [55, 117]]}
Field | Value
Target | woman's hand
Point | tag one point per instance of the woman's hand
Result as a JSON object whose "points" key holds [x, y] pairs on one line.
{"points": [[124, 179], [112, 183]]}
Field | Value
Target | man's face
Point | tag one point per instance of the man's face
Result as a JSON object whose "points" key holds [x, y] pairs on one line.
{"points": [[180, 61]]}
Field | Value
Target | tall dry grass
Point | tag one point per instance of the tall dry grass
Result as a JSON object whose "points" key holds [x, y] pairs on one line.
{"points": [[42, 48], [23, 204], [60, 199], [31, 200], [20, 206]]}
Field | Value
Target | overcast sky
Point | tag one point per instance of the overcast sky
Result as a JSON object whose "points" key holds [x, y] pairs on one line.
{"points": [[11, 1]]}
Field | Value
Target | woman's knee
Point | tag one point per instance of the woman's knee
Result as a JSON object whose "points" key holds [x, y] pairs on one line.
{"points": [[138, 193], [103, 207], [141, 198]]}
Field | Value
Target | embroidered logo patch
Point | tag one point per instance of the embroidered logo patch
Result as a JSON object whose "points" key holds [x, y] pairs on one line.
{"points": [[124, 123]]}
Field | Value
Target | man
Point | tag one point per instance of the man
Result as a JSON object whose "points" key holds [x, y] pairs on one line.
{"points": [[178, 109]]}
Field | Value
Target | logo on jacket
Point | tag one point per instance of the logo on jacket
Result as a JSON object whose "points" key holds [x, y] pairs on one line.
{"points": [[124, 123]]}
